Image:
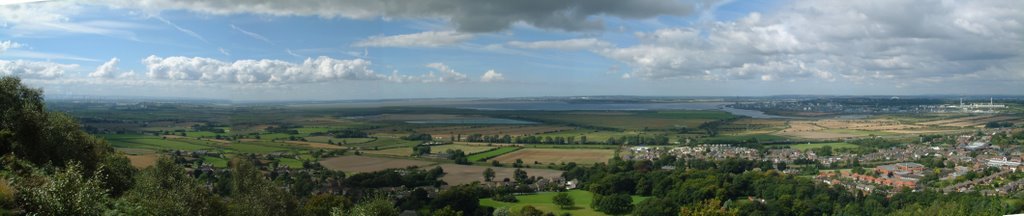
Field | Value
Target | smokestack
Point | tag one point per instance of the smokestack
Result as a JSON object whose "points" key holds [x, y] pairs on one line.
{"points": [[990, 101]]}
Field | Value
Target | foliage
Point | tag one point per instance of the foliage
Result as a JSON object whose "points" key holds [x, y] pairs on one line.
{"points": [[164, 189], [375, 206], [447, 211], [253, 194], [563, 200], [711, 207], [614, 204], [65, 192], [323, 203], [656, 206], [488, 174]]}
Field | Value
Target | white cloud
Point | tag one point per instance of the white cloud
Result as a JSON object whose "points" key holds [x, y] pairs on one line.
{"points": [[109, 70], [34, 69], [570, 44], [224, 51], [858, 41], [465, 15], [4, 45], [48, 18], [447, 74], [106, 70], [321, 69], [492, 76], [422, 39]]}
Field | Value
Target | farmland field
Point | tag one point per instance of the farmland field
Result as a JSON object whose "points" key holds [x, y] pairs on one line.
{"points": [[491, 153], [324, 139], [545, 156], [151, 142], [807, 146], [542, 201], [385, 143], [143, 161], [358, 164], [434, 149], [465, 174]]}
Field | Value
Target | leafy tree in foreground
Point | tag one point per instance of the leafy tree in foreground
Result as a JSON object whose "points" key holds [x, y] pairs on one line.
{"points": [[165, 189], [614, 204], [253, 194], [656, 206], [447, 211], [563, 200], [66, 192], [711, 207], [375, 206]]}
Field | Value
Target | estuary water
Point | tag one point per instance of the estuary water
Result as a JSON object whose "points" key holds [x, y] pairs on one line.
{"points": [[563, 106]]}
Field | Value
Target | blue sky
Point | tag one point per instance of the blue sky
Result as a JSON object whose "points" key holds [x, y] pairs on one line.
{"points": [[360, 49]]}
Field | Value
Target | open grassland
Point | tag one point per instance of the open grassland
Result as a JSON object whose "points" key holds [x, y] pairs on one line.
{"points": [[290, 162], [138, 141], [135, 142], [385, 143], [865, 124], [491, 154], [468, 149], [835, 145], [315, 145], [839, 129], [259, 147], [325, 139], [456, 174], [982, 122], [955, 120], [216, 161], [542, 201], [545, 156], [728, 139], [359, 164], [511, 130], [592, 135]]}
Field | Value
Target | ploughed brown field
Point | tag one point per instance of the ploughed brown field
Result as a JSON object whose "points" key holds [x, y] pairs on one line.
{"points": [[143, 161]]}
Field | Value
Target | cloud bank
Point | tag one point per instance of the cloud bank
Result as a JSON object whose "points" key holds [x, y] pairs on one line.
{"points": [[859, 41]]}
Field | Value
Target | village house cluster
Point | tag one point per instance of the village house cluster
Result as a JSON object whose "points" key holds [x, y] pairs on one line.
{"points": [[889, 169]]}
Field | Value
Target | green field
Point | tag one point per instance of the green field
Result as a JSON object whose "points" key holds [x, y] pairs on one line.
{"points": [[202, 134], [859, 132], [638, 120], [386, 143], [273, 136], [492, 153], [216, 161], [259, 147], [742, 138], [324, 139], [151, 142], [592, 135], [542, 201], [290, 162], [834, 145]]}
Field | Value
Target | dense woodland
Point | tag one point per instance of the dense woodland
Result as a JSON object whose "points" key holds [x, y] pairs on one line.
{"points": [[51, 167]]}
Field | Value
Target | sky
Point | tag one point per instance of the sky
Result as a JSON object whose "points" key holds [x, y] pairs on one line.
{"points": [[384, 49]]}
